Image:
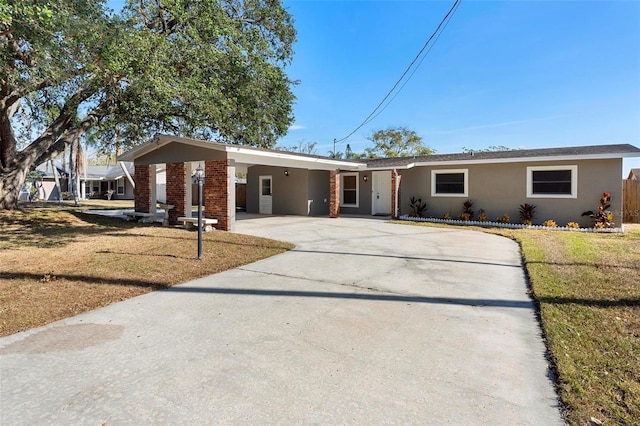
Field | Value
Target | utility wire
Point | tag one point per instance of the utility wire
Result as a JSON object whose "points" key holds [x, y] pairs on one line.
{"points": [[373, 114], [412, 72]]}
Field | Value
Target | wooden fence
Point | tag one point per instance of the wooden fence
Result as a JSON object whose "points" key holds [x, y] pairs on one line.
{"points": [[631, 200]]}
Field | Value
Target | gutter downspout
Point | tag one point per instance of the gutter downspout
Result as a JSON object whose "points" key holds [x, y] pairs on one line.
{"points": [[397, 185]]}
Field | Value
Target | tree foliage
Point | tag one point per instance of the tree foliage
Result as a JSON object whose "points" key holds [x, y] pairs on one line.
{"points": [[491, 148], [396, 142], [72, 69], [303, 147]]}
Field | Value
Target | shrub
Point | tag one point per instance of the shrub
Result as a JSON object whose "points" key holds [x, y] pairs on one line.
{"points": [[483, 216], [526, 213], [550, 223], [418, 208], [603, 217], [446, 216], [573, 225], [504, 218], [467, 213]]}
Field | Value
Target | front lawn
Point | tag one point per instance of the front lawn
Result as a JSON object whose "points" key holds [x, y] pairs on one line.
{"points": [[56, 262]]}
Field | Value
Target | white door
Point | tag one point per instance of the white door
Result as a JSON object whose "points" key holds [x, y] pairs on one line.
{"points": [[265, 195], [381, 196]]}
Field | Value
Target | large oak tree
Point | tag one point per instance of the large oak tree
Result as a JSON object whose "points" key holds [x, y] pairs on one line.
{"points": [[72, 69]]}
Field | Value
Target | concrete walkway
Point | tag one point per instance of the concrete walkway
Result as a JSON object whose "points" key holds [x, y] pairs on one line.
{"points": [[364, 322]]}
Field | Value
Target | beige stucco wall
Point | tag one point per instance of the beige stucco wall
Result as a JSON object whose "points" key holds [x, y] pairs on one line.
{"points": [[501, 188], [289, 193], [303, 192]]}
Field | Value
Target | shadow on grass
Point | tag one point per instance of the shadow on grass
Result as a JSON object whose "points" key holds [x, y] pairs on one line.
{"points": [[230, 239], [83, 279], [632, 266], [598, 303], [143, 254], [50, 229]]}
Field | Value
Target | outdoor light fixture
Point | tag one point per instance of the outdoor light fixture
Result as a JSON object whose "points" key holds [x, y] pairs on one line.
{"points": [[365, 178], [286, 172], [200, 181]]}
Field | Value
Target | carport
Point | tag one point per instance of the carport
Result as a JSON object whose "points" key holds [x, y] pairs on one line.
{"points": [[278, 182]]}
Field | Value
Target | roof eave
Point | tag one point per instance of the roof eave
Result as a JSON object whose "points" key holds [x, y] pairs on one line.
{"points": [[531, 159]]}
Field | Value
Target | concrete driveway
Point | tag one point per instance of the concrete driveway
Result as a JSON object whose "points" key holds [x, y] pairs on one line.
{"points": [[364, 322]]}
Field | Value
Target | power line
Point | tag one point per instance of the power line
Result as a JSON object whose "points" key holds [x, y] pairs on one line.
{"points": [[443, 23], [412, 72]]}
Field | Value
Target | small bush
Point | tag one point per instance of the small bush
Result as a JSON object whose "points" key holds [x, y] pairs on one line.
{"points": [[550, 223], [446, 216], [418, 207], [467, 213], [526, 213], [603, 217], [573, 225], [505, 218], [483, 216]]}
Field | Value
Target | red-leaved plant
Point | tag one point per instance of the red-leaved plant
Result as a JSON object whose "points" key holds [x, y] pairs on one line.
{"points": [[603, 218]]}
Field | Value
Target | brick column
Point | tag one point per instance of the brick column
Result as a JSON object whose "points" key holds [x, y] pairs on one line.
{"points": [[177, 190], [334, 194], [217, 200], [142, 193], [396, 176]]}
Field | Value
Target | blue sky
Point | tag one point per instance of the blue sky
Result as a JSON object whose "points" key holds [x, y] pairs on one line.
{"points": [[523, 74]]}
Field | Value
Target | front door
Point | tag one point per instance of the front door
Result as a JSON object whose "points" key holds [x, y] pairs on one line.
{"points": [[381, 196], [266, 202]]}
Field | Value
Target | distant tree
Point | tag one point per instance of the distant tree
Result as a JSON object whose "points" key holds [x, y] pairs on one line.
{"points": [[348, 154], [336, 154], [302, 147], [72, 70], [491, 148], [396, 142]]}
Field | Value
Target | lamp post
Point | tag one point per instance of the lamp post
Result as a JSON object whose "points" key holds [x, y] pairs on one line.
{"points": [[199, 180]]}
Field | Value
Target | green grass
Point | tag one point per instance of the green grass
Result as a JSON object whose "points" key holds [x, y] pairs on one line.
{"points": [[588, 290]]}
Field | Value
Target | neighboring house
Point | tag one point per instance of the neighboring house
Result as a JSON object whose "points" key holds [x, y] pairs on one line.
{"points": [[634, 174], [102, 180], [98, 182], [561, 182]]}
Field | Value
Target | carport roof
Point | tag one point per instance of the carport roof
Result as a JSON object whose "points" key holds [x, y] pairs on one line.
{"points": [[247, 155]]}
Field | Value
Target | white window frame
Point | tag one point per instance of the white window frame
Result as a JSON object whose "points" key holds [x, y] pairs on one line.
{"points": [[124, 188], [574, 181], [342, 203], [435, 173]]}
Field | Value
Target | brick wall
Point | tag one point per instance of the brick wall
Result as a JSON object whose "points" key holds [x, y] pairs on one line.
{"points": [[395, 178], [176, 190], [216, 193], [142, 194], [334, 194]]}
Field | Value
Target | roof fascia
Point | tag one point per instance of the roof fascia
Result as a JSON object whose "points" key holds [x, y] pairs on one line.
{"points": [[531, 159], [284, 156], [400, 167]]}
